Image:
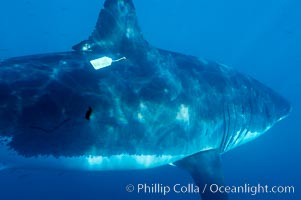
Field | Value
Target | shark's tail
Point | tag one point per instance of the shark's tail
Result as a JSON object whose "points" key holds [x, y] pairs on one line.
{"points": [[116, 28]]}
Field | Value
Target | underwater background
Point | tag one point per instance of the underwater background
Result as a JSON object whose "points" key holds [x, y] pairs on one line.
{"points": [[259, 38]]}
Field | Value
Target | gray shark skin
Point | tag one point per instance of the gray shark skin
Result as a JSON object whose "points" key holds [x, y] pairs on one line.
{"points": [[148, 107]]}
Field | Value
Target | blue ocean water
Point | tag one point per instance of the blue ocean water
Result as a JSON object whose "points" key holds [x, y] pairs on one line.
{"points": [[259, 38]]}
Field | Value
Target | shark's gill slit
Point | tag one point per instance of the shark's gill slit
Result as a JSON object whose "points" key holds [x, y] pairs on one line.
{"points": [[235, 129], [232, 128], [225, 130]]}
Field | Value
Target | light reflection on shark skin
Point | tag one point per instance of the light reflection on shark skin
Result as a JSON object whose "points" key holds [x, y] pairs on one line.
{"points": [[120, 108], [150, 108]]}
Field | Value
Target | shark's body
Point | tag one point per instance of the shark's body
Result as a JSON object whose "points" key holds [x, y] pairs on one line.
{"points": [[151, 108]]}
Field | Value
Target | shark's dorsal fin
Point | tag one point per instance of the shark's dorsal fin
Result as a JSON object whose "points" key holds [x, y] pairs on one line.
{"points": [[116, 29], [205, 169]]}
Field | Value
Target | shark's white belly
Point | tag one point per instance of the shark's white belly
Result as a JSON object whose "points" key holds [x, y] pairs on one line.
{"points": [[10, 159]]}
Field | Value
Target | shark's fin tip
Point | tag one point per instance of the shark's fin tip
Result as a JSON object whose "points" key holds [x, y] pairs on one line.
{"points": [[116, 27], [205, 169]]}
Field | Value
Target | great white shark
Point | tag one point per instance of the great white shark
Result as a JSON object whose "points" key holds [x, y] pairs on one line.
{"points": [[117, 103]]}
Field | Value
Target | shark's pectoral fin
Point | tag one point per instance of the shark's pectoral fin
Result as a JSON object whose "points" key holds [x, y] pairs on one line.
{"points": [[205, 169]]}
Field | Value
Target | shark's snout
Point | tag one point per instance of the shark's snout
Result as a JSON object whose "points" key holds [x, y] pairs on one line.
{"points": [[276, 107], [282, 107]]}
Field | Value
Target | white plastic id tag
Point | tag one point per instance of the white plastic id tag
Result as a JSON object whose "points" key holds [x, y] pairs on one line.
{"points": [[103, 62]]}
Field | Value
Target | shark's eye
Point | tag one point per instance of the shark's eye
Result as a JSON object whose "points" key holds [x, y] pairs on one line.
{"points": [[88, 113]]}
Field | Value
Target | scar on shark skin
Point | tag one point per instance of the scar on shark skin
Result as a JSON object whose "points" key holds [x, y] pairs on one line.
{"points": [[88, 113], [52, 129]]}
